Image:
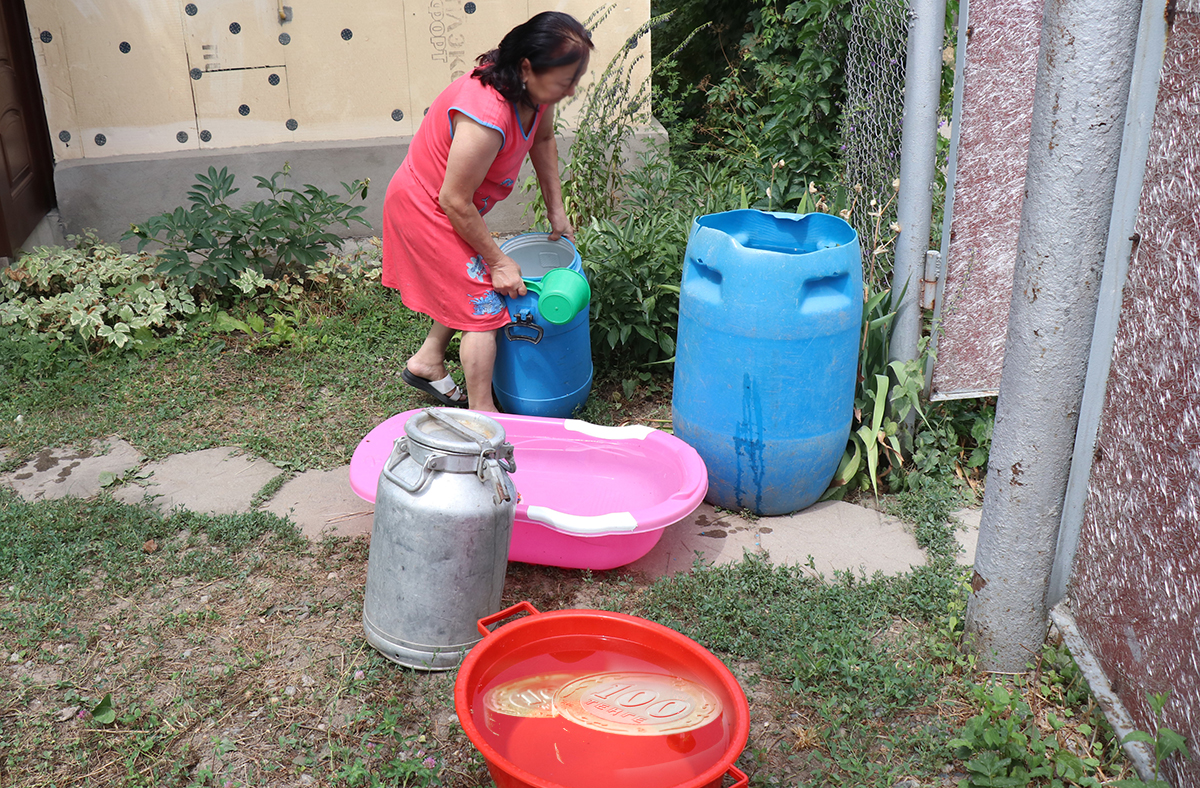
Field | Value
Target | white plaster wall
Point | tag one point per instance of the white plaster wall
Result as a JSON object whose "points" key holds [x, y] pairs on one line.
{"points": [[135, 77]]}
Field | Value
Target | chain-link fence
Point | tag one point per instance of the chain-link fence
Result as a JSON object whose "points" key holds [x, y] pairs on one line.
{"points": [[872, 118]]}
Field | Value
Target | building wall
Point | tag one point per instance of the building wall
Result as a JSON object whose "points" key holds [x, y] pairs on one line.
{"points": [[143, 93]]}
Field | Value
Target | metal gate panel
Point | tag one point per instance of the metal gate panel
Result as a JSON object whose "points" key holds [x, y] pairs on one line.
{"points": [[1135, 586], [998, 52]]}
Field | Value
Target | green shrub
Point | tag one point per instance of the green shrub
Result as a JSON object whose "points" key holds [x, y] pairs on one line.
{"points": [[634, 261], [212, 243], [782, 100], [680, 101], [93, 293], [1028, 733]]}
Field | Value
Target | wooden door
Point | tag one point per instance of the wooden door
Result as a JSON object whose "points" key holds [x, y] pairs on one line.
{"points": [[26, 163]]}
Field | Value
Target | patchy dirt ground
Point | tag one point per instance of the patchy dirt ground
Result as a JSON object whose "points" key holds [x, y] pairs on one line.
{"points": [[264, 680]]}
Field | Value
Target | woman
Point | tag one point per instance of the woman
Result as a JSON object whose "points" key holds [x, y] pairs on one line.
{"points": [[437, 250]]}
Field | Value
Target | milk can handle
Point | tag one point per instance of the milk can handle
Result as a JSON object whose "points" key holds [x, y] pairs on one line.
{"points": [[520, 607], [739, 777], [398, 454]]}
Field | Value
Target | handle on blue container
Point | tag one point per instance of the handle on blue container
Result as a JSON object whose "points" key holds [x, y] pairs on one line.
{"points": [[523, 321]]}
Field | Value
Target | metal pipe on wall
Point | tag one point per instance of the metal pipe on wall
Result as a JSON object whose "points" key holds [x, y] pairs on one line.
{"points": [[918, 159], [1084, 69]]}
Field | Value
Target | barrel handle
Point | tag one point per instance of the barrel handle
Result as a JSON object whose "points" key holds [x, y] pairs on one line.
{"points": [[398, 454], [519, 323], [520, 607], [739, 777]]}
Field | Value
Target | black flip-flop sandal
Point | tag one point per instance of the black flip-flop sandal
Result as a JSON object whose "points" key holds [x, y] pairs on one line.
{"points": [[441, 390]]}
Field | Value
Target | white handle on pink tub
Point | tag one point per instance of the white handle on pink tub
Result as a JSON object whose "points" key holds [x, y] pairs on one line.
{"points": [[628, 432], [613, 522]]}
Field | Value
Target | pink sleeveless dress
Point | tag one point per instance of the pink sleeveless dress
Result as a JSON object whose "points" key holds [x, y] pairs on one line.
{"points": [[436, 271]]}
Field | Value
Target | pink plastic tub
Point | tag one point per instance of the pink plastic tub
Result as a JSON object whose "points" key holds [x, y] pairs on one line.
{"points": [[591, 497]]}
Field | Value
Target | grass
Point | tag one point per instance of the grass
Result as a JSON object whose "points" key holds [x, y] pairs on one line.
{"points": [[233, 656], [230, 650], [298, 408]]}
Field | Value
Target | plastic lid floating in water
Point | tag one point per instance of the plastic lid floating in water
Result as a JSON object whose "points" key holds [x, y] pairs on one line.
{"points": [[637, 704]]}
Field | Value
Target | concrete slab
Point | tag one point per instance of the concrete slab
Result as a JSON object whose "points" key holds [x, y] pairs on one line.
{"points": [[212, 481], [321, 502], [837, 535], [79, 473], [967, 533]]}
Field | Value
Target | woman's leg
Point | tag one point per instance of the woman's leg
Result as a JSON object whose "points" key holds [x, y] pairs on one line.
{"points": [[478, 353], [429, 361]]}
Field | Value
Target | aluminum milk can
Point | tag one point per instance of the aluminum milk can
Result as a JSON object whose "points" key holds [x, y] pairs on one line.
{"points": [[439, 544]]}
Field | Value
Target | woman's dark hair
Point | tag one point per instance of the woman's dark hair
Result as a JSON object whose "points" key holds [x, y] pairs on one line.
{"points": [[550, 39]]}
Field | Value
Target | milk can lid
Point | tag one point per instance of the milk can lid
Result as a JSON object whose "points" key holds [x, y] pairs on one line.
{"points": [[455, 431]]}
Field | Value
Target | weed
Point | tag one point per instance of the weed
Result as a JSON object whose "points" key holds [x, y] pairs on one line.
{"points": [[300, 406], [1021, 734], [54, 548], [928, 506], [632, 214], [953, 444], [1164, 743], [635, 260], [842, 646], [782, 100], [213, 243]]}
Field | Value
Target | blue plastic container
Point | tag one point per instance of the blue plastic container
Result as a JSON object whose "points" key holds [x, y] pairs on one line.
{"points": [[542, 369], [770, 315]]}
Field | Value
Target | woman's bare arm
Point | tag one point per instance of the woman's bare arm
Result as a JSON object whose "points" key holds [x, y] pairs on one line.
{"points": [[472, 152]]}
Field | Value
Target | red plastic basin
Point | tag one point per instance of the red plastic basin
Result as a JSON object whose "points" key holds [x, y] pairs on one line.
{"points": [[588, 698]]}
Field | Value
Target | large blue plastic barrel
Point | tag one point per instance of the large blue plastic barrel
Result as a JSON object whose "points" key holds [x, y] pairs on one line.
{"points": [[542, 369], [770, 315]]}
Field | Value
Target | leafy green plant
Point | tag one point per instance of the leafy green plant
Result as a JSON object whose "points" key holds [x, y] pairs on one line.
{"points": [[613, 108], [881, 403], [634, 256], [947, 441], [781, 101], [1041, 728], [1164, 743], [632, 212], [279, 332], [635, 260], [1003, 747], [953, 443], [679, 97], [213, 242], [104, 713], [93, 294]]}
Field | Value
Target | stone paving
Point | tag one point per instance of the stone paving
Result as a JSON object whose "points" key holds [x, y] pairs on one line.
{"points": [[832, 535]]}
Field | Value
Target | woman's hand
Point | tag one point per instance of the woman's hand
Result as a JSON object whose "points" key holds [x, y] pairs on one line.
{"points": [[560, 226], [506, 277]]}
